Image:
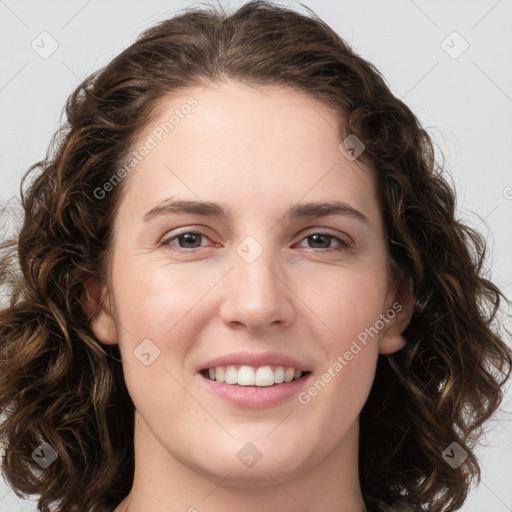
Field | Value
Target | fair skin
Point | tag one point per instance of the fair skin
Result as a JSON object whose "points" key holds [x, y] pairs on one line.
{"points": [[258, 151]]}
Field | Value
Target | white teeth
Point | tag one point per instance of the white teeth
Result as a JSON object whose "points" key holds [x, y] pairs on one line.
{"points": [[220, 374], [262, 376], [246, 376], [231, 375], [279, 375], [289, 374]]}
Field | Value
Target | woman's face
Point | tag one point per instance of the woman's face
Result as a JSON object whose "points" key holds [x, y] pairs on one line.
{"points": [[270, 283]]}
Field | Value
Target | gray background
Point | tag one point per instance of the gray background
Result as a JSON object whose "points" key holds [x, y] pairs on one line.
{"points": [[463, 98]]}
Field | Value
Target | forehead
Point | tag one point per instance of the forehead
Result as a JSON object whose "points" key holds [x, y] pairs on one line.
{"points": [[229, 141]]}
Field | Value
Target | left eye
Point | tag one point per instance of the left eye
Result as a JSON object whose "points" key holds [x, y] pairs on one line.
{"points": [[190, 240], [321, 237]]}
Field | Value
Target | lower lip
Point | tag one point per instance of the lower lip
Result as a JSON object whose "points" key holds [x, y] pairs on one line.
{"points": [[253, 396]]}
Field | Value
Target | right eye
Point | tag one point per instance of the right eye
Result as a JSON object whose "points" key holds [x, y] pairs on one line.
{"points": [[185, 239]]}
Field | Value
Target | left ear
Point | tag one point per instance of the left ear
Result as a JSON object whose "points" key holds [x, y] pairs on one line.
{"points": [[399, 314]]}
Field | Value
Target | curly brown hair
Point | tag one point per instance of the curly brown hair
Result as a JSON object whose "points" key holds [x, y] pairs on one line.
{"points": [[60, 385]]}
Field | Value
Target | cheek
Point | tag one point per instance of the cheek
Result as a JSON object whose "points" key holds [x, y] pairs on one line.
{"points": [[154, 300], [164, 302], [159, 317], [345, 300], [350, 312], [348, 305], [349, 344], [158, 310]]}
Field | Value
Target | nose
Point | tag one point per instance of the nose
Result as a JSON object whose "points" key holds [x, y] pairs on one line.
{"points": [[257, 295]]}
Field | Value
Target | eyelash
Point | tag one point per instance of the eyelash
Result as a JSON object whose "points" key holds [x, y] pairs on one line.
{"points": [[344, 244]]}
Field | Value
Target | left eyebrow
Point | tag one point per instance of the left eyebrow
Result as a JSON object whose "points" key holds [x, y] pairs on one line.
{"points": [[324, 209], [298, 211]]}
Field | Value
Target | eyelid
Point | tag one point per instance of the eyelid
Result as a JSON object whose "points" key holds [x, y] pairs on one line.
{"points": [[343, 239], [166, 240]]}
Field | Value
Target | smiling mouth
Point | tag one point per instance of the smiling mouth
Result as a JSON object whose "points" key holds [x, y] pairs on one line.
{"points": [[262, 376]]}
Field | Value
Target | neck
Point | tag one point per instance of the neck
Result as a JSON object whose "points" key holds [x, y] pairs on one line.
{"points": [[164, 483]]}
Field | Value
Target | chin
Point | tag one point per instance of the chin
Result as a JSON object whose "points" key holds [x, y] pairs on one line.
{"points": [[252, 464]]}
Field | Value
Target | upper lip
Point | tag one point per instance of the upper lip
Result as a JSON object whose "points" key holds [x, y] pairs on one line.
{"points": [[255, 360]]}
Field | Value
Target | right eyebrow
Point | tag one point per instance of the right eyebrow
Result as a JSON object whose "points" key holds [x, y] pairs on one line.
{"points": [[169, 206]]}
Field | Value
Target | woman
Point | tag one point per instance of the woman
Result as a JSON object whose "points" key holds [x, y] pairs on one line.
{"points": [[256, 369]]}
